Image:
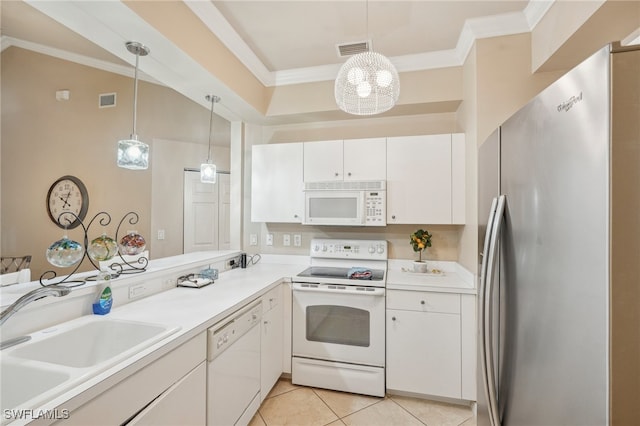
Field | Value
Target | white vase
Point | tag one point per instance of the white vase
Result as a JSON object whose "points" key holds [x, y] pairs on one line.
{"points": [[419, 266]]}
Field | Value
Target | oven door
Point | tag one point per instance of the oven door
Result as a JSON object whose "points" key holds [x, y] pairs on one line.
{"points": [[339, 323]]}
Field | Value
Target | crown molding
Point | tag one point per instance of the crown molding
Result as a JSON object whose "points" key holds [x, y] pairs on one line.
{"points": [[474, 29]]}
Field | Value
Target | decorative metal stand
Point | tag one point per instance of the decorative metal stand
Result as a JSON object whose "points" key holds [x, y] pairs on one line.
{"points": [[118, 268]]}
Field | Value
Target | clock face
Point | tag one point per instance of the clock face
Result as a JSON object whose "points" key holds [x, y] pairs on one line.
{"points": [[67, 195]]}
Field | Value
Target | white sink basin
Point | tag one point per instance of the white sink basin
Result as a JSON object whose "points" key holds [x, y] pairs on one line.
{"points": [[21, 382], [92, 343]]}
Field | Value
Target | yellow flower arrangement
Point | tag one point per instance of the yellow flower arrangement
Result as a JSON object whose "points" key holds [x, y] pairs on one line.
{"points": [[420, 240]]}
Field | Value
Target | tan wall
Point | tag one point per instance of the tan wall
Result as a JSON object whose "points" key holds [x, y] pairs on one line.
{"points": [[44, 139]]}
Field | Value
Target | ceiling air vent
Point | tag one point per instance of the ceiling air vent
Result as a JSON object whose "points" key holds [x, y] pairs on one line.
{"points": [[351, 49]]}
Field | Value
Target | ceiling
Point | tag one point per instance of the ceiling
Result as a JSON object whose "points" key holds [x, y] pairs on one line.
{"points": [[280, 42]]}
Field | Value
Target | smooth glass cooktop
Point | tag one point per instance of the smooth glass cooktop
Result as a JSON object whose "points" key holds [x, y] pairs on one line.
{"points": [[335, 272]]}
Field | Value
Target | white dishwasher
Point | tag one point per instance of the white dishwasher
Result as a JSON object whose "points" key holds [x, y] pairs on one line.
{"points": [[233, 370]]}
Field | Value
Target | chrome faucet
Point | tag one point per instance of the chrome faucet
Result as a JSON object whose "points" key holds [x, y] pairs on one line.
{"points": [[23, 301]]}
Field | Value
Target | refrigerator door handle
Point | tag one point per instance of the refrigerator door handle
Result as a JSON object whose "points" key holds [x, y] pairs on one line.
{"points": [[481, 303], [491, 385]]}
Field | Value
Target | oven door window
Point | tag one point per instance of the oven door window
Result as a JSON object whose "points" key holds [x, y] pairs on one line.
{"points": [[342, 325]]}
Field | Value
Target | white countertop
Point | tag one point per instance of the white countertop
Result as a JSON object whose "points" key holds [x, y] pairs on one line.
{"points": [[193, 310], [452, 279]]}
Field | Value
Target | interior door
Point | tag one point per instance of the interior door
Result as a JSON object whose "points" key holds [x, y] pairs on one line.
{"points": [[200, 214]]}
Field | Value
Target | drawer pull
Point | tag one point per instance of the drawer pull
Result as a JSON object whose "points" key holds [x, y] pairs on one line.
{"points": [[422, 302]]}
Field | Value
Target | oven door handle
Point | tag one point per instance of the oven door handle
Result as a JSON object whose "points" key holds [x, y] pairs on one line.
{"points": [[370, 291]]}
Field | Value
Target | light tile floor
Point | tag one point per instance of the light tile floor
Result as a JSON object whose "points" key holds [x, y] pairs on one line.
{"points": [[293, 405]]}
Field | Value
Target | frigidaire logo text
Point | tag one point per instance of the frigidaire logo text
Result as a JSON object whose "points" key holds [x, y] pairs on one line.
{"points": [[566, 106]]}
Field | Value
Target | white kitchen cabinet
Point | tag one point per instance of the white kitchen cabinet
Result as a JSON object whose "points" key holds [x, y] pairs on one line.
{"points": [[152, 392], [365, 159], [189, 393], [350, 159], [424, 343], [425, 179], [323, 161], [271, 343], [276, 183]]}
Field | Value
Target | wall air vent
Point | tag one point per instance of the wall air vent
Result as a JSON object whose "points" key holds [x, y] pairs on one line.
{"points": [[351, 49], [106, 100]]}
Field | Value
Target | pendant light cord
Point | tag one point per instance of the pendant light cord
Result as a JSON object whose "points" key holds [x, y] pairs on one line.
{"points": [[135, 98], [367, 21], [213, 101]]}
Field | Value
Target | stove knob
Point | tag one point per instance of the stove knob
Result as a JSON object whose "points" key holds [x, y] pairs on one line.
{"points": [[324, 247], [372, 249], [316, 247], [380, 249]]}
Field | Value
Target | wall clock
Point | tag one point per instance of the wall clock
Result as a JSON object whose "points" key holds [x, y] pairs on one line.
{"points": [[67, 194]]}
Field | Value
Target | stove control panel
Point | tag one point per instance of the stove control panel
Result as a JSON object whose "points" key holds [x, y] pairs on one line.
{"points": [[349, 249]]}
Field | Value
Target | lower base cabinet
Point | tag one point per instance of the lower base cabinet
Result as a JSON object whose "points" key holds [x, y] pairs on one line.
{"points": [[423, 354], [181, 404], [271, 343], [424, 343], [169, 391]]}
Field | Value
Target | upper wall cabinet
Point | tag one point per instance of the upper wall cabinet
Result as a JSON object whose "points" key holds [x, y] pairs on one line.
{"points": [[425, 179], [352, 159], [276, 183]]}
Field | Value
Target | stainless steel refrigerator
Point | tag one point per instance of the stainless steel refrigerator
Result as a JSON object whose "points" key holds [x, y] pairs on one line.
{"points": [[559, 215]]}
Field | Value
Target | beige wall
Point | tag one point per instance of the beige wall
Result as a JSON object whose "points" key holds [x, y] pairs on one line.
{"points": [[43, 139]]}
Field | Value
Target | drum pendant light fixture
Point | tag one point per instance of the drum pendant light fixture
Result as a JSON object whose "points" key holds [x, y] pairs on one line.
{"points": [[132, 153], [368, 83], [208, 169]]}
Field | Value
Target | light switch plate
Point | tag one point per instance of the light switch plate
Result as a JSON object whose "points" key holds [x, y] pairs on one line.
{"points": [[269, 239], [297, 240], [286, 240], [253, 240]]}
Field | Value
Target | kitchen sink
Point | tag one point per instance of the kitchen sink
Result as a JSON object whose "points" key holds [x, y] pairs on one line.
{"points": [[16, 375], [92, 343]]}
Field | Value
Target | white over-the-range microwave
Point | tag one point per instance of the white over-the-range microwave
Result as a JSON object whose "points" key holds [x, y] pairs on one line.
{"points": [[346, 203]]}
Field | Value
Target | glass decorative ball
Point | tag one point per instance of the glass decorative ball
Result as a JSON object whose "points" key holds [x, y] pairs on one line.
{"points": [[102, 248], [132, 243], [65, 252]]}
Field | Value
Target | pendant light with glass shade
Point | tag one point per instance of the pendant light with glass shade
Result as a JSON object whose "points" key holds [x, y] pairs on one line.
{"points": [[132, 153], [368, 83], [208, 169]]}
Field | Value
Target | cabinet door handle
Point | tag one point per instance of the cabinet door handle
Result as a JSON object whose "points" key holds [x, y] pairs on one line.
{"points": [[422, 302], [393, 216], [349, 174], [393, 318], [336, 174]]}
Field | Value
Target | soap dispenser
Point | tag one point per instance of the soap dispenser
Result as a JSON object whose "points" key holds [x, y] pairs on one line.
{"points": [[102, 305]]}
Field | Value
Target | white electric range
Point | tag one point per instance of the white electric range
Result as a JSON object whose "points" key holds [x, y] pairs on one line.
{"points": [[338, 324]]}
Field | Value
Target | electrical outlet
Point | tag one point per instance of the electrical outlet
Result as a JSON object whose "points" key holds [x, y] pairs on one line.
{"points": [[161, 234], [269, 239], [297, 240], [286, 240], [167, 283], [253, 240], [137, 291]]}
